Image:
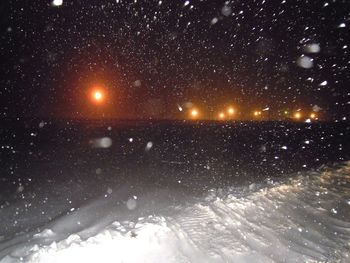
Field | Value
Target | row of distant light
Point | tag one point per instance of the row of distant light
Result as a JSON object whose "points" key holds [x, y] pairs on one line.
{"points": [[230, 112]]}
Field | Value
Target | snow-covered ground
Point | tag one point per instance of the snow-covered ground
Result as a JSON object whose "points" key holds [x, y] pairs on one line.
{"points": [[174, 192], [303, 218]]}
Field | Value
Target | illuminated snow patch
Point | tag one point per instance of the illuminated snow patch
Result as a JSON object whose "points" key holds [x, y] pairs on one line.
{"points": [[148, 242]]}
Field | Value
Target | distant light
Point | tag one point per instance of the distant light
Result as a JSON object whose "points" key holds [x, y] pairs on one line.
{"points": [[231, 111], [221, 115], [297, 115], [257, 113], [312, 115], [98, 95], [285, 112], [57, 2], [342, 25], [194, 113]]}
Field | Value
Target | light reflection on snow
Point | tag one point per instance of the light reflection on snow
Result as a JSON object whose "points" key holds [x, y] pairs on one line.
{"points": [[149, 243]]}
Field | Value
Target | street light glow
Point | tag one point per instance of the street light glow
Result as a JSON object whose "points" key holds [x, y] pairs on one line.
{"points": [[98, 95], [230, 111], [194, 113], [297, 115], [221, 115], [257, 113]]}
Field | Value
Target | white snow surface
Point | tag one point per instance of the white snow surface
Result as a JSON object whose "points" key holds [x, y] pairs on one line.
{"points": [[289, 221]]}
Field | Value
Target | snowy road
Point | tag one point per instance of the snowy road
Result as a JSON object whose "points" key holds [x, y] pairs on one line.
{"points": [[303, 219]]}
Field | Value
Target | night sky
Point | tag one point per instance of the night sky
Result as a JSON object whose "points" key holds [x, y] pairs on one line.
{"points": [[154, 57]]}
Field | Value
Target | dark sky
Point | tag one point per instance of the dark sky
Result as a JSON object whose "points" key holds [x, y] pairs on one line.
{"points": [[151, 56]]}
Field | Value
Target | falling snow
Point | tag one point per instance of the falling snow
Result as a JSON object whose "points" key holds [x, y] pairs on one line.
{"points": [[174, 131]]}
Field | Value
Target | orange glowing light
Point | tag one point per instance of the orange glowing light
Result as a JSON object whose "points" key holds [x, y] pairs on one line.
{"points": [[97, 95], [230, 111], [221, 115], [257, 113], [312, 115], [194, 113], [297, 115]]}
